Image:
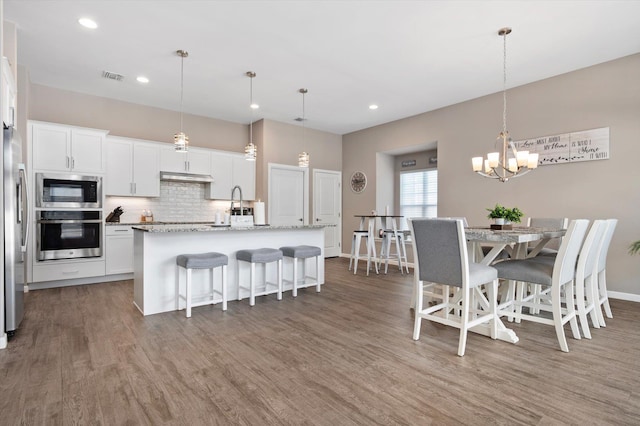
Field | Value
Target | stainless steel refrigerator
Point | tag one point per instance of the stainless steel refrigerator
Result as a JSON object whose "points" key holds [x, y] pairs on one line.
{"points": [[15, 230]]}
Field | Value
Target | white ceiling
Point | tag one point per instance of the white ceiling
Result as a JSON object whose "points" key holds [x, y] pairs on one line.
{"points": [[408, 57]]}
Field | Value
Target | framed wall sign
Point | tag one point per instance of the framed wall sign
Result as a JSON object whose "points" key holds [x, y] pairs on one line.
{"points": [[584, 145]]}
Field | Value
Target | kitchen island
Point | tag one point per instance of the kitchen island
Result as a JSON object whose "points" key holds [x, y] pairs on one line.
{"points": [[156, 248]]}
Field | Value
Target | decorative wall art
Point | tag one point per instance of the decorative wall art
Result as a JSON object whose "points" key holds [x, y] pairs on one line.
{"points": [[585, 145]]}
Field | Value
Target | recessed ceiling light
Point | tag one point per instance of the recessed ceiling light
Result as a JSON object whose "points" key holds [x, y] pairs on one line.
{"points": [[88, 23], [373, 106], [142, 79], [255, 106]]}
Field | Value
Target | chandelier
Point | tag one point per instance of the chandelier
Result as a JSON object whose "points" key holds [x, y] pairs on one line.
{"points": [[180, 140], [508, 163], [250, 150], [303, 157]]}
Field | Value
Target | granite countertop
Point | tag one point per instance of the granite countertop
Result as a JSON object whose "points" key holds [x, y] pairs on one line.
{"points": [[158, 223], [209, 227]]}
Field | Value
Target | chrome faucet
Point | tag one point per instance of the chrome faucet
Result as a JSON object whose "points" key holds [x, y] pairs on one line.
{"points": [[233, 191]]}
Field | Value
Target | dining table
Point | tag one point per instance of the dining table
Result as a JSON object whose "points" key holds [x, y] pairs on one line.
{"points": [[516, 243]]}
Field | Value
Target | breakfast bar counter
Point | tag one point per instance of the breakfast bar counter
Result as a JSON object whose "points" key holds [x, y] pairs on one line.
{"points": [[157, 246]]}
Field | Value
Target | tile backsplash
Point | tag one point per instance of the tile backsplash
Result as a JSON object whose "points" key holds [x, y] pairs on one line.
{"points": [[178, 201]]}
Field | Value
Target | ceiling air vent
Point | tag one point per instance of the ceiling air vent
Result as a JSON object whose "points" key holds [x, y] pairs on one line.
{"points": [[112, 76]]}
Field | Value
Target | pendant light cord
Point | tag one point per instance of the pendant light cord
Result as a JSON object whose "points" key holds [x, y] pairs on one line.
{"points": [[181, 90], [251, 107], [504, 85]]}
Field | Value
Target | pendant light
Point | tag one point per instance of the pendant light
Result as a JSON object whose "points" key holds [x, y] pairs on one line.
{"points": [[251, 151], [505, 164], [303, 157], [180, 140]]}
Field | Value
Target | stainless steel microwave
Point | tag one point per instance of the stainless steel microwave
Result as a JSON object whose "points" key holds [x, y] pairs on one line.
{"points": [[68, 191]]}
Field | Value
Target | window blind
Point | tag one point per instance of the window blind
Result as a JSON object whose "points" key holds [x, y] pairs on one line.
{"points": [[418, 194]]}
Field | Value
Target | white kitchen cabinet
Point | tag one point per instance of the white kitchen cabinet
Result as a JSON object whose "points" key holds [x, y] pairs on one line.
{"points": [[61, 148], [222, 174], [229, 170], [244, 174], [9, 94], [119, 249], [133, 168], [195, 160]]}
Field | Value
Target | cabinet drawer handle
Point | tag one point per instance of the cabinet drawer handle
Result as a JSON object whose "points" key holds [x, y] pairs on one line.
{"points": [[70, 272], [120, 230]]}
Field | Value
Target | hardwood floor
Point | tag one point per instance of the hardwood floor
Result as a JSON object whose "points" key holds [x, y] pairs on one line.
{"points": [[85, 355]]}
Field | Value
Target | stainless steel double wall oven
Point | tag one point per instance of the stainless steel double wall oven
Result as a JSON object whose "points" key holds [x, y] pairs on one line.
{"points": [[68, 217]]}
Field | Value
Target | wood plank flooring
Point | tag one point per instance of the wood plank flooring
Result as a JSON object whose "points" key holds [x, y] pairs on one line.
{"points": [[85, 355]]}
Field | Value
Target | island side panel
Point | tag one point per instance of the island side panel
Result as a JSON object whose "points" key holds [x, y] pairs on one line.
{"points": [[154, 275]]}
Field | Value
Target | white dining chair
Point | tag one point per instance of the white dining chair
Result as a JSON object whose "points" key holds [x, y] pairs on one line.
{"points": [[558, 276], [586, 275], [601, 295], [552, 246], [440, 256]]}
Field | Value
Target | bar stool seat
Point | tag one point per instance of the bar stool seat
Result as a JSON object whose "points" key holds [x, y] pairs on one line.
{"points": [[303, 253], [263, 256], [193, 261]]}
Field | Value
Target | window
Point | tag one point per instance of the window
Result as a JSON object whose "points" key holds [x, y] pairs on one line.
{"points": [[418, 194]]}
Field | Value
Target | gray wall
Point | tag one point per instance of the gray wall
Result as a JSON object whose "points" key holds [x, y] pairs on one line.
{"points": [[605, 95]]}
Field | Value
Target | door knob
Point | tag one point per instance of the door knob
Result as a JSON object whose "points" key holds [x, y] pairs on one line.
{"points": [[300, 220]]}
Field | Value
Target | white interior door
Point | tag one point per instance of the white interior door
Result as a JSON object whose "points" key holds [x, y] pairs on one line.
{"points": [[327, 208], [288, 195]]}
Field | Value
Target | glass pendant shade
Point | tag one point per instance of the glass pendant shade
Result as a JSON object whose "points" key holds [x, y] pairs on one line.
{"points": [[181, 142], [303, 159], [250, 152]]}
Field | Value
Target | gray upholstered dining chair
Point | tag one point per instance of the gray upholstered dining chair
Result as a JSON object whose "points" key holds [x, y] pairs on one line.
{"points": [[552, 246], [440, 256], [601, 296], [557, 275]]}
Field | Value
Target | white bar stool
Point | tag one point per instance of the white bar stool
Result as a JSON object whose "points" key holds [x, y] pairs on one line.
{"points": [[264, 256], [388, 236], [210, 261], [358, 235], [303, 253]]}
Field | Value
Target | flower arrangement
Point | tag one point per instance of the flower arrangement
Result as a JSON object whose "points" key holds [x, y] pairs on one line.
{"points": [[513, 215]]}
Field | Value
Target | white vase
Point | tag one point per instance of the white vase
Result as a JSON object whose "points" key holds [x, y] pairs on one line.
{"points": [[499, 221]]}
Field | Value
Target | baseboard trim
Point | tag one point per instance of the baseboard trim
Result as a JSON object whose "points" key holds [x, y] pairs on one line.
{"points": [[79, 281], [624, 296]]}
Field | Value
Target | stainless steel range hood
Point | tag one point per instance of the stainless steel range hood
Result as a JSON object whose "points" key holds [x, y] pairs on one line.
{"points": [[185, 177]]}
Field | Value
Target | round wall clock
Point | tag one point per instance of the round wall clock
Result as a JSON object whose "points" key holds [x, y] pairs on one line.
{"points": [[358, 182]]}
